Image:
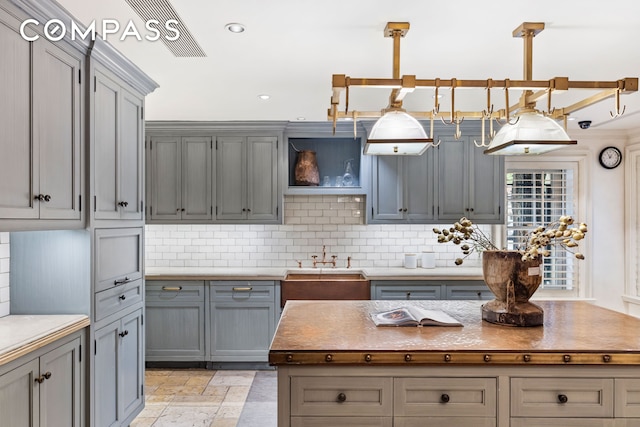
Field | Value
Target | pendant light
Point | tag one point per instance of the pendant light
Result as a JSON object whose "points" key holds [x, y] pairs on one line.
{"points": [[397, 133]]}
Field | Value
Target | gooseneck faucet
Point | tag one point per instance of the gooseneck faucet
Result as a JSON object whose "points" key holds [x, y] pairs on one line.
{"points": [[324, 259]]}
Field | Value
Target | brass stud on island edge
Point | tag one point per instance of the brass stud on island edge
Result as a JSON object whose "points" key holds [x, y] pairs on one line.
{"points": [[407, 358], [606, 358], [566, 358], [328, 358], [447, 358], [367, 358], [487, 358], [526, 358], [289, 357]]}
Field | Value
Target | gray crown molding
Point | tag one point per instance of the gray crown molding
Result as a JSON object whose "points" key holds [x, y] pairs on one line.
{"points": [[173, 126]]}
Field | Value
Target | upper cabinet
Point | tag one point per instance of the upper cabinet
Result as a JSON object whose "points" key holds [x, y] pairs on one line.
{"points": [[117, 133], [40, 121], [213, 172], [180, 182], [470, 183], [247, 178], [404, 188]]}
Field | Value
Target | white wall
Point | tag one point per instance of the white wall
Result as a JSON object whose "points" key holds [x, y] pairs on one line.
{"points": [[4, 274]]}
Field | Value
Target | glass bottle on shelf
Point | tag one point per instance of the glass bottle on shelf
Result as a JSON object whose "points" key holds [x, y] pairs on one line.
{"points": [[348, 179]]}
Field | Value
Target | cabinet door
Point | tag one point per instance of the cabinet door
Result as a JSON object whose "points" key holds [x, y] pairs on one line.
{"points": [[57, 118], [196, 178], [118, 256], [19, 157], [174, 330], [106, 369], [60, 393], [130, 365], [262, 178], [387, 198], [453, 179], [419, 187], [486, 189], [241, 331], [230, 178], [19, 397], [105, 117], [130, 156], [165, 177]]}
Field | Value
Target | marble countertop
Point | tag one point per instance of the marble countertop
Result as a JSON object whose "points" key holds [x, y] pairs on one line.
{"points": [[21, 334], [260, 273]]}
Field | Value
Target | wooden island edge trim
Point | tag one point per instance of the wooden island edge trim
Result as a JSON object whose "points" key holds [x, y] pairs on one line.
{"points": [[297, 358]]}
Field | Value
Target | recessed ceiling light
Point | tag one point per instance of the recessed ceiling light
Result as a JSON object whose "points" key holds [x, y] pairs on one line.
{"points": [[234, 27], [301, 118], [571, 118], [264, 97]]}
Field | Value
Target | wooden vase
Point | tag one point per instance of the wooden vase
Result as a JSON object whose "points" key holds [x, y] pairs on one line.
{"points": [[513, 282], [306, 169]]}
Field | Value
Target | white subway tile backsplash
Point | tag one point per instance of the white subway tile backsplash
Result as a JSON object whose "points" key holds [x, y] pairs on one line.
{"points": [[336, 222]]}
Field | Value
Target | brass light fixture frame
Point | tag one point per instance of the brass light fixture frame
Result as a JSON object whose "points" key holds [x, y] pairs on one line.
{"points": [[533, 90]]}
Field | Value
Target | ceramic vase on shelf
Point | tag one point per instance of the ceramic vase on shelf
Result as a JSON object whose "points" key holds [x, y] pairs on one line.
{"points": [[513, 282], [306, 169]]}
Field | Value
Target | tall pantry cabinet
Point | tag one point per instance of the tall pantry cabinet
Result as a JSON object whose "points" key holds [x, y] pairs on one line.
{"points": [[72, 194]]}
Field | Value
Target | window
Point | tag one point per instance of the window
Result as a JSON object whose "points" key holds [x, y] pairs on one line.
{"points": [[536, 196]]}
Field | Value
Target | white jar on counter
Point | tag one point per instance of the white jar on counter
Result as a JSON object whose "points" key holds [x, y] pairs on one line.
{"points": [[410, 260], [428, 259]]}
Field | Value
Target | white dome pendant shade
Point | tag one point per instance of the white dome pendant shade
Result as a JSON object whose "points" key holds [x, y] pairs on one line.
{"points": [[533, 133], [397, 133]]}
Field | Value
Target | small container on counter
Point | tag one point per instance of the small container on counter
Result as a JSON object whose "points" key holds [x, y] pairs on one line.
{"points": [[428, 259], [410, 260]]}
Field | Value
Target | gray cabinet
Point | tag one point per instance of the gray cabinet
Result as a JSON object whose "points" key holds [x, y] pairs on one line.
{"points": [[403, 188], [247, 178], [430, 290], [117, 134], [175, 321], [40, 113], [180, 178], [470, 183], [119, 370], [45, 391], [242, 320]]}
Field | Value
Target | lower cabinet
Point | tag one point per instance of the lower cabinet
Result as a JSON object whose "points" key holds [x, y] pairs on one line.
{"points": [[175, 321], [119, 370], [45, 391], [481, 396], [242, 320], [430, 289]]}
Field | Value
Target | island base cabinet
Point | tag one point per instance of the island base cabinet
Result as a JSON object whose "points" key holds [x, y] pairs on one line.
{"points": [[343, 422], [44, 391]]}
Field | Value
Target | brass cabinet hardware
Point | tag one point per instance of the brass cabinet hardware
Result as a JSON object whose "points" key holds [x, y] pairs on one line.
{"points": [[566, 358], [447, 358], [47, 375], [172, 288], [487, 358], [526, 358], [242, 289], [606, 358], [328, 358], [367, 358], [407, 358], [39, 379]]}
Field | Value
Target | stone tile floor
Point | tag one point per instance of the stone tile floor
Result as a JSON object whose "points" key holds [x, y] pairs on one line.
{"points": [[207, 398]]}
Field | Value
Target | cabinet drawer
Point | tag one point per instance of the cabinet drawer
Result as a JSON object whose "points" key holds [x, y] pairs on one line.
{"points": [[407, 292], [115, 299], [562, 397], [444, 422], [342, 421], [118, 256], [564, 422], [174, 290], [341, 396], [243, 290], [627, 397], [468, 292], [443, 397]]}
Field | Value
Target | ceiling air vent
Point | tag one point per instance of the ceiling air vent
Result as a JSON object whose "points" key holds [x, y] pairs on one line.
{"points": [[162, 11]]}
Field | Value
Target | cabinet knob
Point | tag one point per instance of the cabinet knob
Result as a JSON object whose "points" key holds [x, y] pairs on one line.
{"points": [[124, 333], [408, 295], [400, 210], [445, 398], [47, 375], [342, 397], [39, 197], [405, 210], [123, 204], [47, 198], [39, 379], [562, 398], [471, 209], [122, 297], [183, 209]]}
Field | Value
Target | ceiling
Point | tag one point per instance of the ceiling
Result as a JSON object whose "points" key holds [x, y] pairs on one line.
{"points": [[291, 48]]}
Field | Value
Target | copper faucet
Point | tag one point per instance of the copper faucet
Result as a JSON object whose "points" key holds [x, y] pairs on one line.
{"points": [[324, 259]]}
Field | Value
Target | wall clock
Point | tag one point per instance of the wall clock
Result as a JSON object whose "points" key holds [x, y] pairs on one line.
{"points": [[610, 157]]}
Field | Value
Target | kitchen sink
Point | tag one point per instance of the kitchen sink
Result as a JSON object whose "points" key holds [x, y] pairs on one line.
{"points": [[324, 286]]}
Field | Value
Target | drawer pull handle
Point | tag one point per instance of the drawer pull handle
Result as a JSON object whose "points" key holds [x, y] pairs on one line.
{"points": [[562, 398], [172, 288], [121, 281], [445, 398], [342, 397], [242, 289], [122, 297]]}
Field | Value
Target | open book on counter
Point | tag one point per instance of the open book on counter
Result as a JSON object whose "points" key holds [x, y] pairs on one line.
{"points": [[413, 316]]}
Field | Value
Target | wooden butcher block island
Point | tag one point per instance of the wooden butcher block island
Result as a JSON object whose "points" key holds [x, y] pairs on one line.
{"points": [[336, 368]]}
